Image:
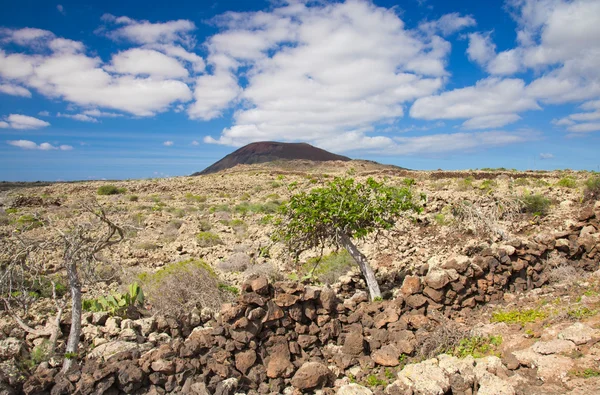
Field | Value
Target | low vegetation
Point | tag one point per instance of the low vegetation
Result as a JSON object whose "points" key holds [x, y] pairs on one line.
{"points": [[520, 317], [536, 204], [110, 190], [116, 304], [179, 287], [208, 239], [329, 268], [592, 189]]}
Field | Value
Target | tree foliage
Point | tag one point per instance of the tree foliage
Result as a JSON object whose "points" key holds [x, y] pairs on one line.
{"points": [[343, 207]]}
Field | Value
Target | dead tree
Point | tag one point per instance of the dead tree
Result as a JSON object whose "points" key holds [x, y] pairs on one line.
{"points": [[78, 245]]}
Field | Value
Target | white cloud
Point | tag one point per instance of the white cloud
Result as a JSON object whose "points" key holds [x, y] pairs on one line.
{"points": [[78, 117], [544, 156], [148, 62], [195, 143], [27, 36], [18, 121], [490, 96], [584, 127], [591, 105], [168, 143], [175, 51], [302, 87], [562, 122], [490, 121], [481, 49], [98, 114], [14, 90], [448, 24], [61, 9], [44, 113], [145, 32], [30, 145]]}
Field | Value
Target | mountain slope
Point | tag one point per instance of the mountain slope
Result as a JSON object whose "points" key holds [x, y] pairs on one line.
{"points": [[269, 151]]}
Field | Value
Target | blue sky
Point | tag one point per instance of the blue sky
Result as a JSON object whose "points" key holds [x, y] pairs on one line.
{"points": [[115, 90]]}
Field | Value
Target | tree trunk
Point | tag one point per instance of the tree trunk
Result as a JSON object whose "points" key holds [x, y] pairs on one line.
{"points": [[75, 332], [364, 265]]}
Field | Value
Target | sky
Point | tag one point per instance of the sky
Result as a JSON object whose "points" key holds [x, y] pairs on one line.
{"points": [[142, 89]]}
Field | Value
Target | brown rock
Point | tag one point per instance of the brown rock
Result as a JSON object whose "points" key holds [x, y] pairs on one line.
{"points": [[311, 375], [252, 298], [417, 321], [354, 343], [328, 299], [274, 312], [259, 284], [306, 341], [163, 366], [411, 285], [387, 356], [385, 317], [245, 360], [416, 301], [279, 364], [435, 294], [285, 300], [437, 279]]}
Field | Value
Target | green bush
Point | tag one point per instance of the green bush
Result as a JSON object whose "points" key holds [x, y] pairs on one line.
{"points": [[195, 198], [521, 317], [477, 346], [592, 188], [181, 286], [535, 204], [208, 239], [567, 182], [329, 268], [116, 304], [465, 183], [133, 198], [28, 221], [110, 190]]}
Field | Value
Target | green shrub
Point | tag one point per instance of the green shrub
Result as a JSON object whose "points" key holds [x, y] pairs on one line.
{"points": [[535, 204], [465, 184], [409, 182], [12, 210], [521, 317], [440, 219], [329, 268], [208, 239], [133, 198], [592, 188], [204, 225], [220, 208], [477, 346], [488, 185], [110, 190], [567, 182], [521, 182], [28, 221], [116, 304], [195, 198], [229, 288], [181, 286]]}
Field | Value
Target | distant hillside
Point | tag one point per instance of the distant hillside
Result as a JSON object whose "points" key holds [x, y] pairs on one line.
{"points": [[269, 151]]}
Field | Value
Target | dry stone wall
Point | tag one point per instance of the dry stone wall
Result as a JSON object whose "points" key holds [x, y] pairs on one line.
{"points": [[288, 336]]}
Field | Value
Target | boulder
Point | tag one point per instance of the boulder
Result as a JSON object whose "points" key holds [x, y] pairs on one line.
{"points": [[411, 285], [108, 350], [578, 333], [387, 356], [437, 279], [556, 346], [312, 375], [10, 348], [425, 378]]}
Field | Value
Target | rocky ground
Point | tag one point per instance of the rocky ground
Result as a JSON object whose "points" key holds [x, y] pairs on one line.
{"points": [[521, 289]]}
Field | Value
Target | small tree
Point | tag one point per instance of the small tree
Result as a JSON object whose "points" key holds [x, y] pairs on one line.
{"points": [[78, 244], [341, 212]]}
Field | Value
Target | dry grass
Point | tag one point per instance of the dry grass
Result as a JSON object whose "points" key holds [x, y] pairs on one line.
{"points": [[483, 216], [446, 337]]}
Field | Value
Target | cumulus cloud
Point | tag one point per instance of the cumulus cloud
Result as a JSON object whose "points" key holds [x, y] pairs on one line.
{"points": [[44, 113], [490, 121], [18, 121], [138, 61], [545, 156], [61, 9], [491, 96], [98, 114], [168, 143], [584, 127], [30, 145], [448, 24], [301, 87], [78, 117], [59, 68], [14, 90], [145, 32]]}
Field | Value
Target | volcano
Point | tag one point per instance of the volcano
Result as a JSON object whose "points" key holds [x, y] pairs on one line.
{"points": [[270, 151]]}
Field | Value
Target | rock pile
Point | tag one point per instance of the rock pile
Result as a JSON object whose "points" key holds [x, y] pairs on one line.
{"points": [[286, 336]]}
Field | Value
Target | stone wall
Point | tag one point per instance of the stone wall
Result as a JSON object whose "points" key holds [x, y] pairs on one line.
{"points": [[288, 336]]}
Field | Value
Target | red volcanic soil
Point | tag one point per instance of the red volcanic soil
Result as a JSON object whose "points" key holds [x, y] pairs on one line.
{"points": [[269, 151]]}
